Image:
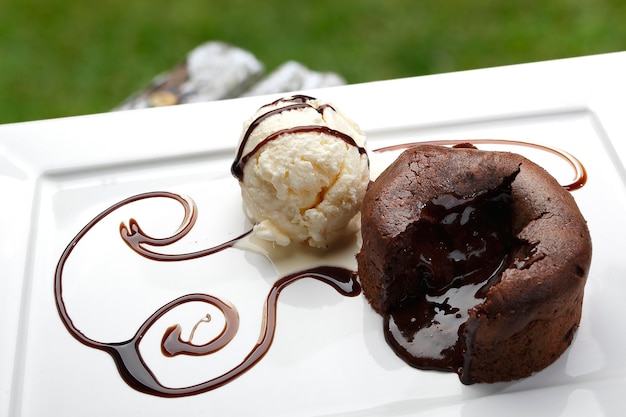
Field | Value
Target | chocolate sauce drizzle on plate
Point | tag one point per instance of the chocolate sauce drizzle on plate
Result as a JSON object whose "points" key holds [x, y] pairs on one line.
{"points": [[126, 354], [580, 173]]}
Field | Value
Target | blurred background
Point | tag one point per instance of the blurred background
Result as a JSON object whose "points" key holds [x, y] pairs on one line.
{"points": [[71, 57]]}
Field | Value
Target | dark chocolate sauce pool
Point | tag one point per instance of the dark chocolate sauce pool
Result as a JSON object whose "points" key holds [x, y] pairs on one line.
{"points": [[408, 329]]}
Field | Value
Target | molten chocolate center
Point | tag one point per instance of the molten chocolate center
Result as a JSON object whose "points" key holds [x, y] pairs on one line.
{"points": [[457, 250]]}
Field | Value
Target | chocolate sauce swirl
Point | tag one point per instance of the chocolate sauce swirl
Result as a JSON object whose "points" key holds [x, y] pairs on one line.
{"points": [[301, 102], [126, 354], [137, 239]]}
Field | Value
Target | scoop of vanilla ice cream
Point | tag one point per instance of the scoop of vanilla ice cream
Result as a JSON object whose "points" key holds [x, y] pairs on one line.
{"points": [[303, 171]]}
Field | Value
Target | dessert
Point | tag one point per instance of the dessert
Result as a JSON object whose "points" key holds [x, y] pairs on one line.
{"points": [[303, 171], [476, 260]]}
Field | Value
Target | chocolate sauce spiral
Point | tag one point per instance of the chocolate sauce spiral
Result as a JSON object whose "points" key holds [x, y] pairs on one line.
{"points": [[137, 240], [126, 354]]}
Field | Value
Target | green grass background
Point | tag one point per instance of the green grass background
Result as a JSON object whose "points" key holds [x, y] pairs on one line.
{"points": [[71, 57]]}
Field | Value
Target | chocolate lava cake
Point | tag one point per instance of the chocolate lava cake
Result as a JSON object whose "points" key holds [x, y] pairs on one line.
{"points": [[477, 261]]}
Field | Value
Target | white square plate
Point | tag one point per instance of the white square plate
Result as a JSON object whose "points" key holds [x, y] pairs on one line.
{"points": [[328, 356]]}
